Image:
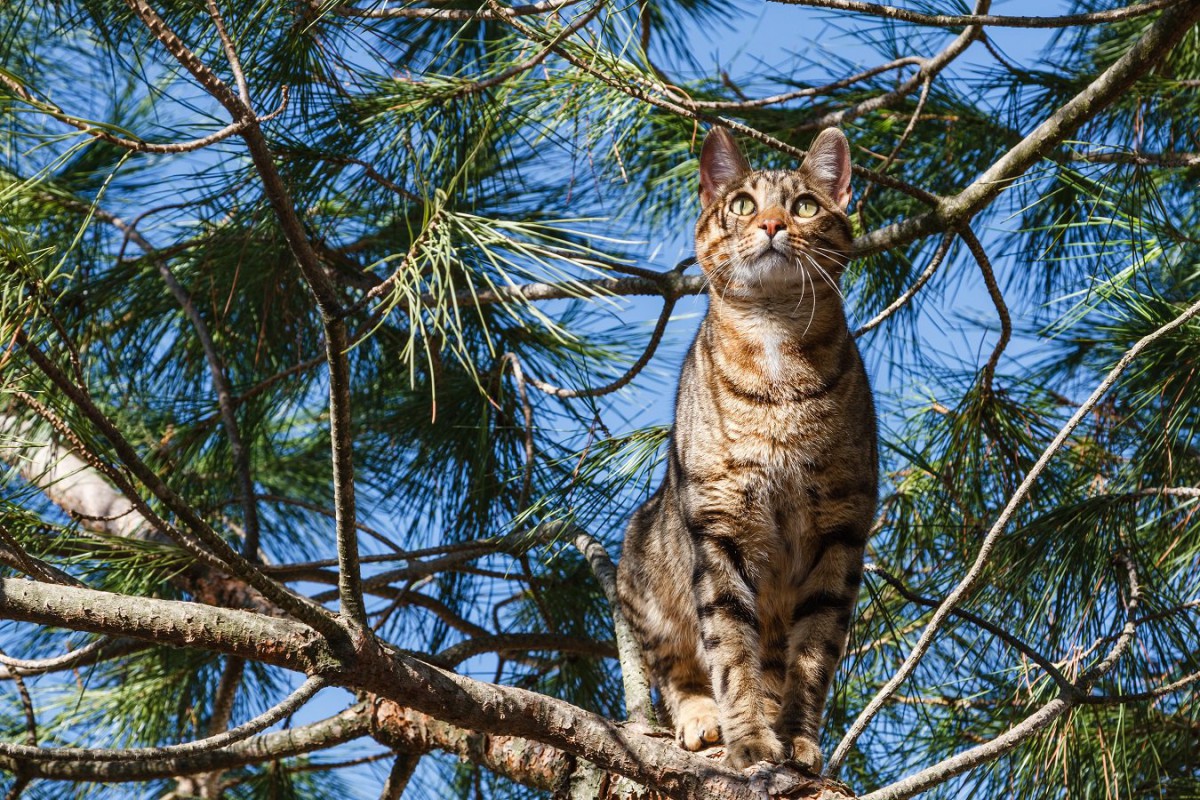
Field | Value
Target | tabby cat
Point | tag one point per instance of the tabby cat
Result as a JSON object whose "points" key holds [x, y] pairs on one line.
{"points": [[741, 572]]}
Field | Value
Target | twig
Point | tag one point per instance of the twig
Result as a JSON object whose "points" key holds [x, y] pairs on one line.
{"points": [[938, 256], [908, 129], [521, 642], [244, 731], [475, 87], [960, 20], [655, 337], [760, 102], [451, 14], [227, 689], [235, 64], [993, 288], [31, 734], [964, 586], [138, 145], [1011, 639]]}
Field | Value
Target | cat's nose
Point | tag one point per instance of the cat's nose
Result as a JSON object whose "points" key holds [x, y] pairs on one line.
{"points": [[771, 225]]}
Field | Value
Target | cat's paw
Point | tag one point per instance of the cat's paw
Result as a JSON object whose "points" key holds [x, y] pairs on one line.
{"points": [[749, 750], [697, 727], [806, 753]]}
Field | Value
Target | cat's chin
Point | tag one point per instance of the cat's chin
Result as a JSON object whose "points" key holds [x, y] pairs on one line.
{"points": [[774, 275]]}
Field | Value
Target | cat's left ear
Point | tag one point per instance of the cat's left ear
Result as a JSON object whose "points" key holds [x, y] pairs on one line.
{"points": [[828, 164]]}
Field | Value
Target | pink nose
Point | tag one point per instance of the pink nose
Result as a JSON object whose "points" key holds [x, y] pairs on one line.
{"points": [[771, 225]]}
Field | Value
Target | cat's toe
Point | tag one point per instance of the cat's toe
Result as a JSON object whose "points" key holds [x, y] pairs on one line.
{"points": [[749, 750], [806, 752], [698, 727]]}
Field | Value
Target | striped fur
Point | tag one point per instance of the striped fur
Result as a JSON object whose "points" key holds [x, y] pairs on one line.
{"points": [[741, 572]]}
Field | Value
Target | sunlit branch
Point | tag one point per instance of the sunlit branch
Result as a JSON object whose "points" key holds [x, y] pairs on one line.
{"points": [[336, 340], [968, 582], [1041, 719], [452, 14], [960, 20], [638, 704], [1153, 46], [939, 256], [284, 708], [455, 699]]}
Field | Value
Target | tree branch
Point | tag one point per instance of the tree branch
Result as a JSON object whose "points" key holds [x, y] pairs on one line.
{"points": [[1030, 726], [964, 586], [960, 20], [336, 340], [633, 671], [1153, 46]]}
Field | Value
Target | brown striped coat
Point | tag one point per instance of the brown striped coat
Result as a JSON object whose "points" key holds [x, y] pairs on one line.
{"points": [[741, 572]]}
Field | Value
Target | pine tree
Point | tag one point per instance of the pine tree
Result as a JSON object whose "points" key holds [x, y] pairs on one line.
{"points": [[322, 393]]}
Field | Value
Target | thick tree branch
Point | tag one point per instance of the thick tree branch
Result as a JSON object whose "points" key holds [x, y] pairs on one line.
{"points": [[448, 697], [1150, 49]]}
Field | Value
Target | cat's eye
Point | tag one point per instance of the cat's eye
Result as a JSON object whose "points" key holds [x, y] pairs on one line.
{"points": [[742, 205], [805, 208]]}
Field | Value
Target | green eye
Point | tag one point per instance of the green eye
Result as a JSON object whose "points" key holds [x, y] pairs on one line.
{"points": [[805, 208], [742, 205]]}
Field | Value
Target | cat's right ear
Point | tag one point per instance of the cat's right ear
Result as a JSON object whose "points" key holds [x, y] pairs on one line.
{"points": [[720, 163]]}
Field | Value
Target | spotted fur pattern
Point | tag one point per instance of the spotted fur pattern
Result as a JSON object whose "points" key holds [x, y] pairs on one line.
{"points": [[740, 574]]}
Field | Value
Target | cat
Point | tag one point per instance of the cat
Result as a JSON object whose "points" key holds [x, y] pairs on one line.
{"points": [[741, 572]]}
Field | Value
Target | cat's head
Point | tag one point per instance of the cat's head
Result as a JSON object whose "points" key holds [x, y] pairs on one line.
{"points": [[774, 233]]}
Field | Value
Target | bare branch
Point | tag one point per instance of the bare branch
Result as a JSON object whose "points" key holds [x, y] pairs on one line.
{"points": [[522, 643], [244, 731], [960, 20], [138, 145], [354, 723], [638, 704], [452, 14], [655, 337], [964, 586], [815, 91], [993, 288], [1030, 726], [1153, 46], [1011, 639], [939, 255]]}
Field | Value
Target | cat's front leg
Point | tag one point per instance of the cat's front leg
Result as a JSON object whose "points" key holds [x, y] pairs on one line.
{"points": [[820, 621], [724, 583]]}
